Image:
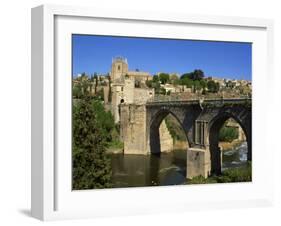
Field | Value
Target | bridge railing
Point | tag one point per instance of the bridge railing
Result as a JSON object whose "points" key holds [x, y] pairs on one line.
{"points": [[175, 99]]}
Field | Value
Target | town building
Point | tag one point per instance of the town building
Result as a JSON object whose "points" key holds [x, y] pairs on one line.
{"points": [[127, 87]]}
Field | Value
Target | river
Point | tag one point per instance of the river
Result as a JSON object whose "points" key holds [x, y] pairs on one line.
{"points": [[164, 169], [235, 157]]}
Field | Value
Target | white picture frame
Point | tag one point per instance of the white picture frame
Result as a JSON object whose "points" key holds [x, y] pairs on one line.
{"points": [[52, 197]]}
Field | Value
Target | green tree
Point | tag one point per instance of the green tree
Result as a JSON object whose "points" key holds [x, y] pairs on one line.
{"points": [[96, 82], [204, 92], [164, 78], [156, 87], [149, 83], [228, 134], [100, 94], [213, 87], [197, 74], [203, 84], [197, 85], [109, 93], [185, 75], [105, 119], [187, 82], [91, 166], [155, 78], [77, 91], [162, 91], [154, 83]]}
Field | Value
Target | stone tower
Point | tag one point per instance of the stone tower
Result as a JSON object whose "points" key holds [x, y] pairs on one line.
{"points": [[123, 86], [119, 68]]}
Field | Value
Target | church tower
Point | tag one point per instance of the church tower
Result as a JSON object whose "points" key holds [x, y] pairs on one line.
{"points": [[119, 68]]}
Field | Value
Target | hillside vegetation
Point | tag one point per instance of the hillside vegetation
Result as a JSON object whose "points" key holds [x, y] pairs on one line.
{"points": [[175, 128]]}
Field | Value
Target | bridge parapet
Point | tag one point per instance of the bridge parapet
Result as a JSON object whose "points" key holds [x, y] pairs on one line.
{"points": [[201, 101]]}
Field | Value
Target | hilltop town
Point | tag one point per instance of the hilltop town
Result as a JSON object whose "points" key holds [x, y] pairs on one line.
{"points": [[122, 85], [132, 112]]}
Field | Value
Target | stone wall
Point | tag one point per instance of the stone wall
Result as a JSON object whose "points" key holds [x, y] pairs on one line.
{"points": [[141, 96], [122, 93], [106, 94], [166, 140], [133, 128]]}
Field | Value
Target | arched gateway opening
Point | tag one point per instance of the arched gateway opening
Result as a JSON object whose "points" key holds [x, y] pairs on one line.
{"points": [[168, 147], [229, 143], [164, 125]]}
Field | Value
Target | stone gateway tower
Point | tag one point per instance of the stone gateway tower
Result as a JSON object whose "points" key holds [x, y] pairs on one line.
{"points": [[127, 87], [119, 68]]}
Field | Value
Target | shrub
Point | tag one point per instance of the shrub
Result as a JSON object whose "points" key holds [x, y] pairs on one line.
{"points": [[228, 134], [241, 174], [201, 180]]}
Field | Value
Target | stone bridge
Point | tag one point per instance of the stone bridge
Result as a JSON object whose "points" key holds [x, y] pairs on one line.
{"points": [[201, 121]]}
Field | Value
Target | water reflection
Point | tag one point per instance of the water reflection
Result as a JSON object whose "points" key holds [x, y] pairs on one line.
{"points": [[149, 170], [164, 169]]}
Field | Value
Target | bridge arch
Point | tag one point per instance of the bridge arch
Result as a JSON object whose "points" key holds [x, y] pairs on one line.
{"points": [[243, 118], [154, 136]]}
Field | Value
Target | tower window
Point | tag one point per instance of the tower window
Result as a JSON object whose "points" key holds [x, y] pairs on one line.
{"points": [[118, 67]]}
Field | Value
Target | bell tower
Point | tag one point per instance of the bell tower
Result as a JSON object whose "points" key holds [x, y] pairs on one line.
{"points": [[119, 68]]}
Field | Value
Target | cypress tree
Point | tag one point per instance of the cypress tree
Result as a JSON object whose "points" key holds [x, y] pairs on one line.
{"points": [[91, 166]]}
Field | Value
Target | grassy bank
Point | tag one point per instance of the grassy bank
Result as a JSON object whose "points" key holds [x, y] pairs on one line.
{"points": [[175, 129], [241, 174], [229, 145], [115, 147]]}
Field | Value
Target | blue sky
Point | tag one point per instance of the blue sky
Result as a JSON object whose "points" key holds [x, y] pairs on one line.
{"points": [[218, 59]]}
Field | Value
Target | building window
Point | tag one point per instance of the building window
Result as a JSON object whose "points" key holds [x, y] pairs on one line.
{"points": [[118, 67], [122, 89]]}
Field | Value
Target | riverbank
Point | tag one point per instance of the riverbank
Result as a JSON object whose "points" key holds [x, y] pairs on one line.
{"points": [[115, 147], [225, 146], [180, 145], [240, 174], [114, 150]]}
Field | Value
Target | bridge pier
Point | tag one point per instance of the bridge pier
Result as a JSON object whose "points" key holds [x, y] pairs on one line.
{"points": [[198, 163], [133, 129]]}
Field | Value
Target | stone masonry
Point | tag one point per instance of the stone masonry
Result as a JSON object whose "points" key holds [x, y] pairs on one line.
{"points": [[200, 121], [127, 86], [166, 141]]}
